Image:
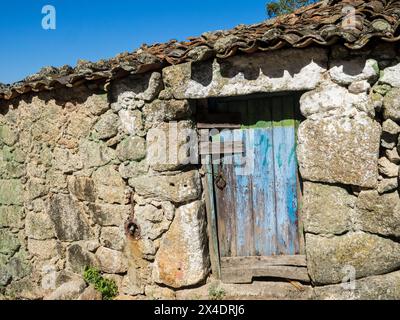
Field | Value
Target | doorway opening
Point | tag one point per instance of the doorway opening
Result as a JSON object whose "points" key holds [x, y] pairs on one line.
{"points": [[253, 191]]}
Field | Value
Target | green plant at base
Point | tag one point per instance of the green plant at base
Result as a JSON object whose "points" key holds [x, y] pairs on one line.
{"points": [[216, 293], [106, 287]]}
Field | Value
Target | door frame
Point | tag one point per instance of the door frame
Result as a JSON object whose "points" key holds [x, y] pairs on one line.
{"points": [[244, 269]]}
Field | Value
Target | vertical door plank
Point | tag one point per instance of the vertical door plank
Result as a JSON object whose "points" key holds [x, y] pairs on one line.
{"points": [[293, 177], [300, 226], [244, 204], [226, 204], [263, 179], [211, 218], [243, 187], [285, 176]]}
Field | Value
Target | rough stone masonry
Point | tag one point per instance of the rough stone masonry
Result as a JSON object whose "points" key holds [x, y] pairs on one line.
{"points": [[75, 176]]}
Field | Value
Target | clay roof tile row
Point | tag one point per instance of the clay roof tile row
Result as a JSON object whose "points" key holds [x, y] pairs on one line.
{"points": [[323, 23]]}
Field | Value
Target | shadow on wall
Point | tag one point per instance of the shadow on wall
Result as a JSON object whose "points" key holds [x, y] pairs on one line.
{"points": [[61, 96], [274, 66], [202, 72]]}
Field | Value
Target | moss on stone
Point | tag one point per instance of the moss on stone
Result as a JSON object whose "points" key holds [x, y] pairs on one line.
{"points": [[9, 242], [382, 89], [11, 192], [7, 135], [375, 66]]}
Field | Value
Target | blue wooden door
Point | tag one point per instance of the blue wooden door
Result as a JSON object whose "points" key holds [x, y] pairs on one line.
{"points": [[256, 192]]}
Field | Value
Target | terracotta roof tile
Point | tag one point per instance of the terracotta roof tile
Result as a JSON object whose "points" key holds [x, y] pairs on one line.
{"points": [[317, 24]]}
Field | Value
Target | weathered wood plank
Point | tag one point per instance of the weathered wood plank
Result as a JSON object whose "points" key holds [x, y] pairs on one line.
{"points": [[240, 275], [211, 219], [262, 261], [229, 147], [285, 176], [201, 125], [225, 198], [263, 179], [300, 228], [244, 205], [241, 186], [236, 276]]}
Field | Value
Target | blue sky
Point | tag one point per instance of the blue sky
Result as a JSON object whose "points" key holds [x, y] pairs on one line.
{"points": [[96, 29]]}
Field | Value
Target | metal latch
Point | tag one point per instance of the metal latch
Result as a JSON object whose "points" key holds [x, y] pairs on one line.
{"points": [[220, 179]]}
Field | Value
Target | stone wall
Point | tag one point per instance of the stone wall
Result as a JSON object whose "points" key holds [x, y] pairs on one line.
{"points": [[70, 161], [79, 187], [347, 153], [348, 156]]}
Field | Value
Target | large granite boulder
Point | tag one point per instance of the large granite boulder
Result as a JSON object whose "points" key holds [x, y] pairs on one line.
{"points": [[177, 188], [182, 259], [379, 214], [327, 209], [69, 218], [340, 150], [329, 258], [382, 287], [286, 70]]}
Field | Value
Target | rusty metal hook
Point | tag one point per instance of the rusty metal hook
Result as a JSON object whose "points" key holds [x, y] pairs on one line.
{"points": [[132, 229], [131, 226], [220, 180]]}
